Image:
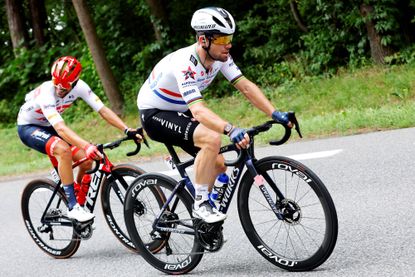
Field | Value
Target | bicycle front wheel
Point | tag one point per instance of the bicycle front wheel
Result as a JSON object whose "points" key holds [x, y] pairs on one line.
{"points": [[170, 245], [55, 236], [301, 232], [112, 200]]}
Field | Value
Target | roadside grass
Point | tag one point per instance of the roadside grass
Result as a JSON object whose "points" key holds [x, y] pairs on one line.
{"points": [[365, 100]]}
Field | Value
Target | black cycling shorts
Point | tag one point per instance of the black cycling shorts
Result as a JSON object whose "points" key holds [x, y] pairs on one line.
{"points": [[36, 137], [171, 127]]}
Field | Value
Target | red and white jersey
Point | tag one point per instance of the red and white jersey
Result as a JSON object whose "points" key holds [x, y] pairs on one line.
{"points": [[177, 80], [43, 107]]}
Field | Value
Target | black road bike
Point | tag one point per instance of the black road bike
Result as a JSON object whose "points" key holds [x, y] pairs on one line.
{"points": [[44, 205], [284, 208]]}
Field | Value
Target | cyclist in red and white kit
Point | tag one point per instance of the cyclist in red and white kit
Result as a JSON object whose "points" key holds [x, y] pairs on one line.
{"points": [[172, 109], [41, 127]]}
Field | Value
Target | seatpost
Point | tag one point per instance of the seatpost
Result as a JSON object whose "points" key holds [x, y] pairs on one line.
{"points": [[181, 167], [176, 160]]}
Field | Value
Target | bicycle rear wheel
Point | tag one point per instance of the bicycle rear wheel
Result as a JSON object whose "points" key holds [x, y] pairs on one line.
{"points": [[173, 249], [56, 236], [112, 201], [306, 233]]}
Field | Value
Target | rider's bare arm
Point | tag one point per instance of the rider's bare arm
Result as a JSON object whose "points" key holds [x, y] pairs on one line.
{"points": [[255, 96], [207, 117], [69, 136], [112, 118]]}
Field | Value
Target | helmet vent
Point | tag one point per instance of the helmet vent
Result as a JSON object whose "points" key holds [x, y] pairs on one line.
{"points": [[63, 68], [218, 22]]}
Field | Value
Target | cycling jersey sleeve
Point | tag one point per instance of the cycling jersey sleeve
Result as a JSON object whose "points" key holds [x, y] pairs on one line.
{"points": [[231, 71], [89, 96], [47, 106], [186, 82]]}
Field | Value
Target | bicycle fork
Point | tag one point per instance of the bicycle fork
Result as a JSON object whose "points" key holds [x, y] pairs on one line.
{"points": [[259, 181]]}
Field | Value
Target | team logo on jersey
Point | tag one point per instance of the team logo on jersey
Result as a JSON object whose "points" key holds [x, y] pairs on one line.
{"points": [[193, 60], [189, 73]]}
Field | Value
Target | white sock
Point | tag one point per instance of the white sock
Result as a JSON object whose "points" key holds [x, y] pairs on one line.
{"points": [[201, 194]]}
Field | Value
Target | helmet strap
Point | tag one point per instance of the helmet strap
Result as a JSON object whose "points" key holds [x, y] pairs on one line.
{"points": [[208, 47]]}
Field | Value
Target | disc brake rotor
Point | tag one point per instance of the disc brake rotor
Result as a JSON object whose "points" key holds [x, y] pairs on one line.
{"points": [[291, 211]]}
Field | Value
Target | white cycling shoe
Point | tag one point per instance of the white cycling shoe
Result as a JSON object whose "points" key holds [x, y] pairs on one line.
{"points": [[208, 214], [78, 213]]}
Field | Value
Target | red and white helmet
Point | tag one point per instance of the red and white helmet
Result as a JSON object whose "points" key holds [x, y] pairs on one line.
{"points": [[65, 72]]}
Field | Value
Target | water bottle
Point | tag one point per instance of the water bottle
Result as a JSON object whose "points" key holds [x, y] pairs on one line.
{"points": [[215, 197]]}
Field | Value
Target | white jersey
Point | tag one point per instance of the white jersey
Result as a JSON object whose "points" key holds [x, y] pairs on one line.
{"points": [[43, 107], [177, 80]]}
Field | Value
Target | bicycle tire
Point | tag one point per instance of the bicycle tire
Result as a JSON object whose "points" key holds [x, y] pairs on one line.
{"points": [[171, 252], [310, 230], [35, 197], [113, 207]]}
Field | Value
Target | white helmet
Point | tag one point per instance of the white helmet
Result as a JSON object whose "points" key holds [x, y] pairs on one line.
{"points": [[213, 20]]}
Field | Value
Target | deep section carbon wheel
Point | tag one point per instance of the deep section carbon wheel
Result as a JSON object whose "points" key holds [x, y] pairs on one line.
{"points": [[302, 232], [169, 244], [54, 234]]}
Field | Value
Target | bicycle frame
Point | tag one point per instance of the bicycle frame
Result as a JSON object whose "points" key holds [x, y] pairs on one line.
{"points": [[246, 157], [102, 169], [284, 208]]}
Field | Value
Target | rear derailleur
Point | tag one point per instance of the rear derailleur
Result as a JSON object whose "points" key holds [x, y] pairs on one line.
{"points": [[83, 229]]}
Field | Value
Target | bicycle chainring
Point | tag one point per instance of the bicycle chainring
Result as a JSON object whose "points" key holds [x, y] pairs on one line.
{"points": [[84, 230], [209, 235]]}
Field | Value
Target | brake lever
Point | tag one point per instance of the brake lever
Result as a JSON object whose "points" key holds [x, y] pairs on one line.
{"points": [[141, 132], [293, 119]]}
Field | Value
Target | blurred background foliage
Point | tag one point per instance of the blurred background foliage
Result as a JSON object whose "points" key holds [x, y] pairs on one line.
{"points": [[276, 41]]}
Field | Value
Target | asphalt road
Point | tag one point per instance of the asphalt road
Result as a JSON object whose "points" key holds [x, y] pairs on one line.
{"points": [[371, 178]]}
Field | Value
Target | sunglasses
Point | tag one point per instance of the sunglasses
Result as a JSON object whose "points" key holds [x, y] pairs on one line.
{"points": [[222, 40], [65, 86]]}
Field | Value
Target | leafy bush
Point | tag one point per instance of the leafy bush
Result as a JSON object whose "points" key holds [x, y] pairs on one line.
{"points": [[268, 45]]}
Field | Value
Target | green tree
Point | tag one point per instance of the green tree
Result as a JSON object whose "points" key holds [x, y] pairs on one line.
{"points": [[97, 51], [276, 41]]}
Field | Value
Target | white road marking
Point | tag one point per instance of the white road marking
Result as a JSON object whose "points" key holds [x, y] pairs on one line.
{"points": [[299, 157], [316, 155]]}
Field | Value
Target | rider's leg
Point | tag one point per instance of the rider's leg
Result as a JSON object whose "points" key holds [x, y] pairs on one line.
{"points": [[78, 154], [220, 166], [205, 166], [196, 140], [45, 140], [62, 151], [208, 164], [82, 180]]}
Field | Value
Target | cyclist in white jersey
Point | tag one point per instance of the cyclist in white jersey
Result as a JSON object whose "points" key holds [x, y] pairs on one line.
{"points": [[41, 127], [172, 109]]}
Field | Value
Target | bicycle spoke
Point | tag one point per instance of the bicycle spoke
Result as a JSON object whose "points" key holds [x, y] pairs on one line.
{"points": [[300, 230], [172, 243], [55, 235]]}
